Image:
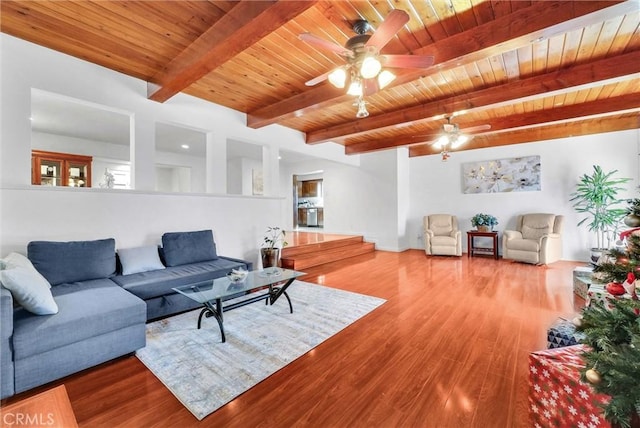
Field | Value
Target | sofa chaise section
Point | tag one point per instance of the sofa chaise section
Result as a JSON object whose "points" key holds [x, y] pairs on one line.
{"points": [[97, 322], [95, 319]]}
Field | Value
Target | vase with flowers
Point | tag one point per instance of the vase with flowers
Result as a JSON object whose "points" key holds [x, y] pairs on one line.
{"points": [[484, 222]]}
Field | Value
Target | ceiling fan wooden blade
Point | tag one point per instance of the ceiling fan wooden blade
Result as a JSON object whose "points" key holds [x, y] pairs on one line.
{"points": [[476, 128], [325, 44], [424, 140], [318, 79], [370, 87], [391, 25], [407, 61]]}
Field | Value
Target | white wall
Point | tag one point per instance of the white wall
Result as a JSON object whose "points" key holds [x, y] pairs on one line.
{"points": [[133, 218], [436, 186]]}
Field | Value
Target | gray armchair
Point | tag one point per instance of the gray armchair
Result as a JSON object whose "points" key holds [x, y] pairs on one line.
{"points": [[537, 239], [441, 235]]}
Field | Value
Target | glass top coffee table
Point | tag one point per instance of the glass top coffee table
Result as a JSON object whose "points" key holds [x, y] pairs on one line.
{"points": [[270, 284]]}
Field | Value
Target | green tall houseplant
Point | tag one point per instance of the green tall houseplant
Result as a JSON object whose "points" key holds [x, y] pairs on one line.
{"points": [[596, 196], [272, 242]]}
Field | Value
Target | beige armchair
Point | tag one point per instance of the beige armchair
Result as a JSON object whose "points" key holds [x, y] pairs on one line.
{"points": [[441, 235], [537, 239]]}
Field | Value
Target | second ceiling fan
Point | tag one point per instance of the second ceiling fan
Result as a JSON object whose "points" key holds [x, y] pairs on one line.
{"points": [[363, 73], [453, 137]]}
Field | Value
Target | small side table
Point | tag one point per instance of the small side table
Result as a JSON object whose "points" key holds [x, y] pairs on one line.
{"points": [[472, 250]]}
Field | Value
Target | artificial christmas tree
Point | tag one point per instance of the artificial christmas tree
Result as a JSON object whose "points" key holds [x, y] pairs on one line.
{"points": [[612, 334]]}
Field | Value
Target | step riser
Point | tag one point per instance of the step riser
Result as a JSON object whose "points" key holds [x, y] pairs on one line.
{"points": [[320, 258], [290, 252]]}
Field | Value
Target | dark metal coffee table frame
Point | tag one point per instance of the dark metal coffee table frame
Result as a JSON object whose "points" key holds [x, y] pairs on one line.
{"points": [[215, 308]]}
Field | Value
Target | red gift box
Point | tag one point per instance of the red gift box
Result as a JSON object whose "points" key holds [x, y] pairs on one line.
{"points": [[557, 397]]}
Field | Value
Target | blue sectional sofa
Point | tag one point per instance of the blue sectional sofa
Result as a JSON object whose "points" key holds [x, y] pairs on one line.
{"points": [[98, 304]]}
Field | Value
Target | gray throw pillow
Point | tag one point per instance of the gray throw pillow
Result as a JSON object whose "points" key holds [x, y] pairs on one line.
{"points": [[62, 262], [181, 248], [139, 259], [29, 289]]}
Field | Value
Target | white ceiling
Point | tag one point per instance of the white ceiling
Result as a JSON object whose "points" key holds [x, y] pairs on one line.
{"points": [[55, 114]]}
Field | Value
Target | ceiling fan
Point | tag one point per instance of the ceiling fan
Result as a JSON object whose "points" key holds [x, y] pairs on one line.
{"points": [[453, 137], [363, 73]]}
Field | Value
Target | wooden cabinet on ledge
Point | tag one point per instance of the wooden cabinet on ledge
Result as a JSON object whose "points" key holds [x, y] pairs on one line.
{"points": [[310, 189], [60, 169]]}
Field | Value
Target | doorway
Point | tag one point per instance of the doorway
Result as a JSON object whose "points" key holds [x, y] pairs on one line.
{"points": [[308, 201]]}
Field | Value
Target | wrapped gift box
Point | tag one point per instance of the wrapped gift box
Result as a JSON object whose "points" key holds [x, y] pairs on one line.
{"points": [[563, 333], [598, 292], [557, 397], [582, 280]]}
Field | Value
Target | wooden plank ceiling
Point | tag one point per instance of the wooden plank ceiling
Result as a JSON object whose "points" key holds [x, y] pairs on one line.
{"points": [[532, 70]]}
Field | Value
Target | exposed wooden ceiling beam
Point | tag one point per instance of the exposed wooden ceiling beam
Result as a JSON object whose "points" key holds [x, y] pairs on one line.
{"points": [[591, 109], [248, 22], [541, 20], [551, 132], [582, 76]]}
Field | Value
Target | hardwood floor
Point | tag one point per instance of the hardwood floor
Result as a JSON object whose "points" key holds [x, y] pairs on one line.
{"points": [[449, 348]]}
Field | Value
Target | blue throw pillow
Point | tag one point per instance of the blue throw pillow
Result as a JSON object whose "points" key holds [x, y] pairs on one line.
{"points": [[61, 262], [181, 248]]}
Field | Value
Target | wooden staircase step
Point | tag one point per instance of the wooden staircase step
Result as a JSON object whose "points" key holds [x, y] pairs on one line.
{"points": [[327, 255], [289, 252]]}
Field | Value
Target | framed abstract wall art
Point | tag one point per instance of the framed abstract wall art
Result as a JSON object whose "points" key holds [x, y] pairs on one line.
{"points": [[257, 182], [502, 175]]}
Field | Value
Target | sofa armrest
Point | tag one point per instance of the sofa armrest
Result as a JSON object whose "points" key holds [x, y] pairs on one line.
{"points": [[511, 234], [248, 264], [550, 248], [550, 236], [6, 315], [548, 239], [428, 236], [6, 347]]}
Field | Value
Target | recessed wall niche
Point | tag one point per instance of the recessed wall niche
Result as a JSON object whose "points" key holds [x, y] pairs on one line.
{"points": [[180, 159], [244, 168], [73, 129]]}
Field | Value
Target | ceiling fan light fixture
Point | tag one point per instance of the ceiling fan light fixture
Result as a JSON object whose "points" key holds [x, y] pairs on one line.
{"points": [[370, 67], [338, 77], [362, 110], [355, 88], [385, 78]]}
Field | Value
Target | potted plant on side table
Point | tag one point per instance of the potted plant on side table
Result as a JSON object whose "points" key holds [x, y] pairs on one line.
{"points": [[272, 243], [484, 222], [596, 196]]}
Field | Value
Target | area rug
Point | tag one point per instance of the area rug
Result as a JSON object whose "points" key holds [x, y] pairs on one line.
{"points": [[205, 374]]}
